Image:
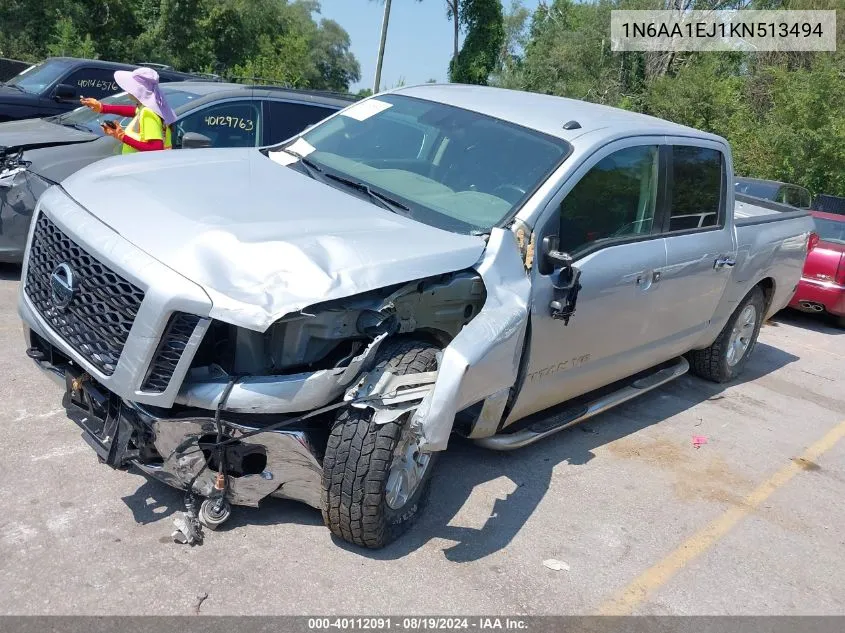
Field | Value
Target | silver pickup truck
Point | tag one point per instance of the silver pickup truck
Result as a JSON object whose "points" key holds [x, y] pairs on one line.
{"points": [[314, 320]]}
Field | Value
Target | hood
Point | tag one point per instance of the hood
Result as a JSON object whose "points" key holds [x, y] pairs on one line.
{"points": [[57, 162], [261, 239], [13, 96], [32, 133]]}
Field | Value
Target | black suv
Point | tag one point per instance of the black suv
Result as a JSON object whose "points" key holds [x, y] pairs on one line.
{"points": [[55, 85]]}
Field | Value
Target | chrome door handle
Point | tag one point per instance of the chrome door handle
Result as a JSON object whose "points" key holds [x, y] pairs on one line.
{"points": [[724, 262]]}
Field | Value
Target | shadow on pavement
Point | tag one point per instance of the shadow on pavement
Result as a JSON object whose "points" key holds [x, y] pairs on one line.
{"points": [[465, 466], [153, 501], [817, 322], [10, 272]]}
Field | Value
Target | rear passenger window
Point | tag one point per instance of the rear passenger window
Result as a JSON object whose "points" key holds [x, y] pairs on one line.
{"points": [[797, 197], [617, 198], [696, 187], [285, 119]]}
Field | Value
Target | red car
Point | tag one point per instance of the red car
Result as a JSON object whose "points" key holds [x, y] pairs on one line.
{"points": [[822, 285]]}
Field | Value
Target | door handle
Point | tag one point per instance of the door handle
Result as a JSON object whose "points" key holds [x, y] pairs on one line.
{"points": [[724, 262], [646, 278]]}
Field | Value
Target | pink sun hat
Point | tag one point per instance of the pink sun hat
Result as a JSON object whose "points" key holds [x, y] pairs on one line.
{"points": [[142, 83]]}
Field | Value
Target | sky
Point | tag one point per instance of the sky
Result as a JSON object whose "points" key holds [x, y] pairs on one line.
{"points": [[419, 38]]}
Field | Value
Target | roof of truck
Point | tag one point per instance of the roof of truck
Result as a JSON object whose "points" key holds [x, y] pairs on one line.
{"points": [[548, 113]]}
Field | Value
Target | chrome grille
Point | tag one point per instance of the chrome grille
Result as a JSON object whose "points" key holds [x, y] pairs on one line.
{"points": [[176, 336], [97, 320]]}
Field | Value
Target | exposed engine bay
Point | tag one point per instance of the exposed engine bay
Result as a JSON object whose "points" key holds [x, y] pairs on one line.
{"points": [[330, 335]]}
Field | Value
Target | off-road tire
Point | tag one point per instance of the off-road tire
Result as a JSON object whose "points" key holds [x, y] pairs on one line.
{"points": [[358, 458], [712, 362]]}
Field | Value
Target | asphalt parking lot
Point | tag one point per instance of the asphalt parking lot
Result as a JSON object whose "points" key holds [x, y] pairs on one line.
{"points": [[749, 523]]}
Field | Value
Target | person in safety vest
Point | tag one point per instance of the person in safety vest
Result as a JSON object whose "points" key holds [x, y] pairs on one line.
{"points": [[149, 129]]}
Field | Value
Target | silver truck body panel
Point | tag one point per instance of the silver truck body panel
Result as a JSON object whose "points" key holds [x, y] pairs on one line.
{"points": [[248, 242], [274, 244], [483, 359], [166, 292]]}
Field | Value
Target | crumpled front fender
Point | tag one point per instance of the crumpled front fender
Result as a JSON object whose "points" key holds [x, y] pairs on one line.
{"points": [[483, 359]]}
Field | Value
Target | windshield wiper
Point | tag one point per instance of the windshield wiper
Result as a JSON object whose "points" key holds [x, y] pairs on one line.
{"points": [[16, 87], [75, 126], [310, 165], [386, 202], [313, 168]]}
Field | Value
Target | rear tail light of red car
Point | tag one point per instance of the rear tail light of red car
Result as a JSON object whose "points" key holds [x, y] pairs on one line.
{"points": [[812, 241], [840, 272]]}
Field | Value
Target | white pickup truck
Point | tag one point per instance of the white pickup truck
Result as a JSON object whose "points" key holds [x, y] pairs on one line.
{"points": [[314, 320]]}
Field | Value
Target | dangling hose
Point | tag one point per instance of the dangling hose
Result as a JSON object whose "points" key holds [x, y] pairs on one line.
{"points": [[193, 523]]}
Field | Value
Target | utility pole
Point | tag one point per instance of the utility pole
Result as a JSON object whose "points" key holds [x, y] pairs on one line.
{"points": [[384, 22]]}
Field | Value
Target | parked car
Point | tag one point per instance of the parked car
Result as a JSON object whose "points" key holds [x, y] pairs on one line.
{"points": [[829, 204], [314, 320], [38, 153], [55, 85], [822, 285], [782, 192], [11, 67]]}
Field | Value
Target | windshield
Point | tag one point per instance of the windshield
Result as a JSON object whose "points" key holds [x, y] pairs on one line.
{"points": [[444, 166], [764, 190], [86, 117], [830, 230], [36, 78]]}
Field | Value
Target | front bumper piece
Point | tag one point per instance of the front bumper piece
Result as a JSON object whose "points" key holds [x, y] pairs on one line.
{"points": [[176, 449]]}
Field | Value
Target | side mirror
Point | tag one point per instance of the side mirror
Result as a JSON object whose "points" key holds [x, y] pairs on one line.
{"points": [[565, 280], [65, 92], [195, 140], [552, 257]]}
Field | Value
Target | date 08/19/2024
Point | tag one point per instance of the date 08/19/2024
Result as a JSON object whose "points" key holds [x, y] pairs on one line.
{"points": [[423, 623]]}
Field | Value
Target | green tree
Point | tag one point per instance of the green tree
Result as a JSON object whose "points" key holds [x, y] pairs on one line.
{"points": [[68, 42], [483, 21], [509, 64], [335, 65]]}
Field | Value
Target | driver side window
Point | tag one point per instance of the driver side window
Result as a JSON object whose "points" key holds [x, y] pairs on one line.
{"points": [[617, 198]]}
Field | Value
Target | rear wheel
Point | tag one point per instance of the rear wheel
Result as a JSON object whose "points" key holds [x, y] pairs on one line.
{"points": [[725, 359], [375, 477]]}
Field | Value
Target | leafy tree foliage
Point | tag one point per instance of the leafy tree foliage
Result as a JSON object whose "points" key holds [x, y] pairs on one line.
{"points": [[276, 40], [783, 113], [483, 21]]}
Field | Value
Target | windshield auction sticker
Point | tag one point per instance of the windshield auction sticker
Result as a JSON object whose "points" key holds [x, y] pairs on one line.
{"points": [[734, 30], [364, 110]]}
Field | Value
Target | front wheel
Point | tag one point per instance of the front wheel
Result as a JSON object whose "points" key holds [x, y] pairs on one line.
{"points": [[375, 477], [725, 359]]}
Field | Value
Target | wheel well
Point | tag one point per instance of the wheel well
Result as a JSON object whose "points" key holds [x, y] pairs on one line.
{"points": [[438, 338], [767, 285]]}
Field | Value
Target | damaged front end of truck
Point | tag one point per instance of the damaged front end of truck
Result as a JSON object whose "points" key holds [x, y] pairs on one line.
{"points": [[235, 414]]}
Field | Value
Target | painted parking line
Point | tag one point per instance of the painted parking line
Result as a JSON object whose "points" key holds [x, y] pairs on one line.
{"points": [[627, 599]]}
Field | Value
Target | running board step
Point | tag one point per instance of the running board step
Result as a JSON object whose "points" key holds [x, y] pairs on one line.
{"points": [[572, 416]]}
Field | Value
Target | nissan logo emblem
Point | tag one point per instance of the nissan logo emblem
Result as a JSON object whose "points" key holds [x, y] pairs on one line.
{"points": [[62, 286]]}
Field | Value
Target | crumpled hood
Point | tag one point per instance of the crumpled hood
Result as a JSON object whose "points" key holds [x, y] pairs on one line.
{"points": [[261, 239], [30, 133]]}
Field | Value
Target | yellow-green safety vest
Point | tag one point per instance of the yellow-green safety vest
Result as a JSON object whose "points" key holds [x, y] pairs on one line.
{"points": [[146, 126]]}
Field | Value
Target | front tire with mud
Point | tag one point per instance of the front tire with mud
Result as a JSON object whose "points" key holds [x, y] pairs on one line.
{"points": [[364, 463], [725, 359]]}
